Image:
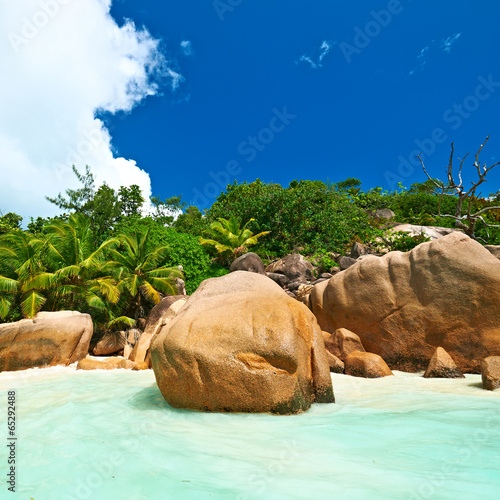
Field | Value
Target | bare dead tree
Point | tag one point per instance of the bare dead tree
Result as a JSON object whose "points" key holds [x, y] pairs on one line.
{"points": [[464, 218]]}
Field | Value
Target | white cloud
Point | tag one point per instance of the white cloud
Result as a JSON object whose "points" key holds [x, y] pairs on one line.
{"points": [[62, 64], [447, 43], [324, 48], [421, 59], [187, 48]]}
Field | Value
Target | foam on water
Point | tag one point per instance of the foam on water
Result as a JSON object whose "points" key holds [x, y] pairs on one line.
{"points": [[110, 435]]}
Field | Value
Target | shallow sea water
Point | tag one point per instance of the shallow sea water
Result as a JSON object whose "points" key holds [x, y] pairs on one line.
{"points": [[111, 435]]}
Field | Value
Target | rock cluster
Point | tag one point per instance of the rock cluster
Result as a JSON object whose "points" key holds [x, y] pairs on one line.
{"points": [[444, 293]]}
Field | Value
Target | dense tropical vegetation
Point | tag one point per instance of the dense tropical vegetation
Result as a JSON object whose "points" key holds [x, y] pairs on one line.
{"points": [[112, 255]]}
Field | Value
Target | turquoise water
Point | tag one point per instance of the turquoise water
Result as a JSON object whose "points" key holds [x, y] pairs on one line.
{"points": [[110, 435]]}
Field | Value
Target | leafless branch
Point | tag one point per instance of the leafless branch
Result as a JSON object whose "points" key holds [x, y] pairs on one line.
{"points": [[470, 218]]}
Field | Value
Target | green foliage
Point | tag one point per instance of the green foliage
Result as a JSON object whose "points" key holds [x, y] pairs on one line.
{"points": [[78, 200], [104, 207], [38, 226], [104, 257], [403, 241], [10, 221], [229, 239], [323, 260], [21, 269], [62, 268], [183, 250], [165, 211], [191, 221], [130, 200], [140, 273], [309, 215]]}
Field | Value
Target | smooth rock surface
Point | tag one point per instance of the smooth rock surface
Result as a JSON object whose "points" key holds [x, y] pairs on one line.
{"points": [[490, 373], [494, 250], [94, 364], [293, 266], [431, 232], [342, 342], [49, 339], [366, 364], [111, 342], [250, 262], [160, 316], [240, 344], [442, 365], [336, 365]]}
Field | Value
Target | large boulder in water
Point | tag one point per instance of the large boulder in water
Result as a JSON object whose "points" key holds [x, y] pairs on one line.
{"points": [[241, 344], [49, 339], [444, 293]]}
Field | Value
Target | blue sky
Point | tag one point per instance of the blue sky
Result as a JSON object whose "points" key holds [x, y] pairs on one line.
{"points": [[359, 103], [286, 89]]}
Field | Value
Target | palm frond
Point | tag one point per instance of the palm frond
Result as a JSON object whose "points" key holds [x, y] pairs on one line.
{"points": [[40, 281], [8, 285], [32, 303], [5, 305], [150, 292], [163, 285], [125, 320]]}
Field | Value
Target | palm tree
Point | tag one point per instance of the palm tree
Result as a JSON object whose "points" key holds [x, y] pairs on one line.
{"points": [[140, 278], [77, 276], [228, 239], [22, 273]]}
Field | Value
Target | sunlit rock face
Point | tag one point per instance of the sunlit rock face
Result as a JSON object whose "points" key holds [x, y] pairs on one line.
{"points": [[444, 293], [240, 344], [49, 339]]}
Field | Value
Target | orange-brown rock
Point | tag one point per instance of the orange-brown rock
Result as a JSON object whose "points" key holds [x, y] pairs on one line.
{"points": [[94, 364], [490, 372], [444, 293], [161, 315], [342, 342], [127, 364], [127, 350], [442, 365], [366, 364], [241, 344], [49, 339], [336, 365], [114, 360], [110, 343], [140, 366]]}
